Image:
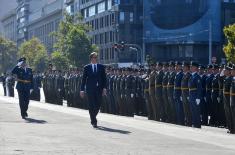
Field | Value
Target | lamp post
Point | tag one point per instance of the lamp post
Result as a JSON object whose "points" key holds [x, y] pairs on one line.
{"points": [[137, 53]]}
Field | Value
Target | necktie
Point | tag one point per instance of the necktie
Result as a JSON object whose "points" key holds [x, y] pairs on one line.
{"points": [[95, 69]]}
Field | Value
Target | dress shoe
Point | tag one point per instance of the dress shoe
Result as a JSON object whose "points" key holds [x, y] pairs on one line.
{"points": [[26, 114]]}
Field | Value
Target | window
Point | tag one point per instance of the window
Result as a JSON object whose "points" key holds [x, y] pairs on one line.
{"points": [[131, 16], [189, 51], [188, 1], [122, 17], [91, 11], [22, 20], [109, 4], [85, 13], [101, 7]]}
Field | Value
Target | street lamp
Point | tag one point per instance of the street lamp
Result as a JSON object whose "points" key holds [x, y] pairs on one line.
{"points": [[137, 53]]}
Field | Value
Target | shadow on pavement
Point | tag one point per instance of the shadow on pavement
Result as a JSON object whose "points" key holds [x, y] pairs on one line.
{"points": [[31, 120], [113, 130]]}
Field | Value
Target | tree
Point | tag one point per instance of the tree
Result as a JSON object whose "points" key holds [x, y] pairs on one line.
{"points": [[59, 61], [229, 48], [73, 41], [8, 54], [35, 53]]}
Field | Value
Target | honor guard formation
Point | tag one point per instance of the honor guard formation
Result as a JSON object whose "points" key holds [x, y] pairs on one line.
{"points": [[182, 93]]}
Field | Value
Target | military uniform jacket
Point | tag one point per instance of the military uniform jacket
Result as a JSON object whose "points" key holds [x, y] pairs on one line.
{"points": [[184, 83], [215, 85], [24, 77], [195, 87], [177, 84]]}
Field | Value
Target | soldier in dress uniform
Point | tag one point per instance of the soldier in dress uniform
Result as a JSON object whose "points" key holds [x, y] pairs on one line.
{"points": [[170, 92], [164, 91], [195, 90], [3, 79], [152, 77], [226, 98], [37, 84], [141, 92], [215, 96], [177, 93], [203, 104], [24, 85], [59, 88], [232, 101], [209, 105], [10, 83], [129, 89], [221, 112], [112, 104], [147, 95], [160, 108], [123, 106], [185, 93]]}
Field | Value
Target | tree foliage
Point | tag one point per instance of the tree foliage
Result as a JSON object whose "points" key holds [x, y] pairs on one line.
{"points": [[35, 53], [59, 61], [229, 48], [8, 54], [73, 41]]}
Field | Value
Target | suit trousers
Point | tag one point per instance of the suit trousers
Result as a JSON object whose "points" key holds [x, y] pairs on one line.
{"points": [[94, 103]]}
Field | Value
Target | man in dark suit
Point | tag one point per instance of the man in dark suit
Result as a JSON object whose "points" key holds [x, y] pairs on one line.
{"points": [[24, 85], [94, 83]]}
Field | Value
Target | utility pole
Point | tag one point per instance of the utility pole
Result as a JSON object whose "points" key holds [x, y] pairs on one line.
{"points": [[143, 46], [210, 41]]}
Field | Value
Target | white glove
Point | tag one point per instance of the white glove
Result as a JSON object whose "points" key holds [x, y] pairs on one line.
{"points": [[218, 99], [187, 98], [20, 63], [31, 90], [198, 101], [132, 95], [205, 98], [59, 89], [181, 99]]}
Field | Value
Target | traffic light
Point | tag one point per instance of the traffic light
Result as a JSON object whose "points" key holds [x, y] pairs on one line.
{"points": [[122, 45], [115, 46]]}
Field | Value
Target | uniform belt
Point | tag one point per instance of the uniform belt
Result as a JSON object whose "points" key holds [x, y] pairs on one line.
{"points": [[23, 81], [184, 88], [170, 86], [232, 94], [158, 86], [146, 90], [208, 89], [226, 93], [177, 88], [215, 89], [192, 89], [165, 86]]}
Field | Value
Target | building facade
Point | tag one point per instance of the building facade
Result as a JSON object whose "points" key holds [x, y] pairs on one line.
{"points": [[192, 30], [111, 21], [24, 9], [6, 7], [9, 25], [44, 21]]}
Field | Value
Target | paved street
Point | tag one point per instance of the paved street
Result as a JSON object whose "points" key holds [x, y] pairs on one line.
{"points": [[52, 129]]}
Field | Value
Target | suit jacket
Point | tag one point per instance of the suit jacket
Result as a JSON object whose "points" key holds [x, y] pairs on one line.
{"points": [[92, 81], [23, 75]]}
